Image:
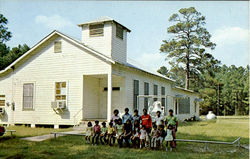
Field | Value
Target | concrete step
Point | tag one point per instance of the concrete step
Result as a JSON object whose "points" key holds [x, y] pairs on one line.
{"points": [[81, 126]]}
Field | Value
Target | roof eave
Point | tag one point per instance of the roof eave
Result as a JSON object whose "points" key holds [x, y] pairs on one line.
{"points": [[170, 80], [183, 89], [45, 39], [98, 22]]}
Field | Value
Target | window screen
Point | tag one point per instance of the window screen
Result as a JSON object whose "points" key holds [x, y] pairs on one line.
{"points": [[146, 92], [96, 30], [28, 93], [184, 105], [136, 93]]}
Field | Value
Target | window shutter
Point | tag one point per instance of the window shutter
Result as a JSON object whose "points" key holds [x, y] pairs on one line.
{"points": [[96, 30], [2, 100], [155, 91], [28, 91], [119, 31], [146, 92], [136, 93], [57, 46]]}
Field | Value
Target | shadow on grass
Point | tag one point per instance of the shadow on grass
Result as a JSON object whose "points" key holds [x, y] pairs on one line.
{"points": [[75, 147], [4, 138]]}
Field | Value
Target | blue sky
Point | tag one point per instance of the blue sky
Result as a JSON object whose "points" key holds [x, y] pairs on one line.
{"points": [[30, 21]]}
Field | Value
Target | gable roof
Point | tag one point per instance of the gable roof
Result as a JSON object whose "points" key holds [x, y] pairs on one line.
{"points": [[137, 66], [102, 20], [55, 32], [130, 64]]}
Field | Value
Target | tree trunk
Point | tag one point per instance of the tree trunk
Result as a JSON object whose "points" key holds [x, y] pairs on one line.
{"points": [[187, 76]]}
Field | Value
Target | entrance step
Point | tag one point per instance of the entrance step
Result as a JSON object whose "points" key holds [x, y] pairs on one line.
{"points": [[83, 124]]}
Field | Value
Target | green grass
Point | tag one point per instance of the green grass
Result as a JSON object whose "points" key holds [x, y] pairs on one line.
{"points": [[74, 147], [22, 131]]}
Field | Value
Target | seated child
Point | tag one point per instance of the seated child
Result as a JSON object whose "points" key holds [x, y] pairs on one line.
{"points": [[89, 131], [110, 133], [155, 133], [115, 123], [169, 137], [143, 135], [127, 132], [96, 132], [119, 132], [103, 133], [161, 137], [136, 134]]}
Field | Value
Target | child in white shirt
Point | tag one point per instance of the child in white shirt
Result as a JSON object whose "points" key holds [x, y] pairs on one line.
{"points": [[143, 135]]}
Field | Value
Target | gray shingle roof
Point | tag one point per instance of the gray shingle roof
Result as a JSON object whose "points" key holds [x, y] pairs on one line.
{"points": [[102, 20]]}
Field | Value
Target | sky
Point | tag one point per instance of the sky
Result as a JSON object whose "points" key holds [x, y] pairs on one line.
{"points": [[227, 22]]}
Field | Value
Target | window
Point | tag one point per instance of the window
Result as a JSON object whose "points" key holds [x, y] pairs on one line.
{"points": [[176, 106], [28, 94], [2, 100], [61, 91], [163, 99], [57, 47], [146, 92], [119, 31], [113, 88], [96, 30], [155, 91], [184, 105], [136, 93], [195, 106]]}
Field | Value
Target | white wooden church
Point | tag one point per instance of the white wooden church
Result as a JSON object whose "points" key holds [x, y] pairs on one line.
{"points": [[61, 81]]}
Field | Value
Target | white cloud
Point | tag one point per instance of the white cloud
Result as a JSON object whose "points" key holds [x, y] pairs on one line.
{"points": [[53, 22], [230, 35], [231, 42], [152, 61]]}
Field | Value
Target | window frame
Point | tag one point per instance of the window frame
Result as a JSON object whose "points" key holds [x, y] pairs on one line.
{"points": [[66, 91], [57, 42], [100, 30], [33, 97]]}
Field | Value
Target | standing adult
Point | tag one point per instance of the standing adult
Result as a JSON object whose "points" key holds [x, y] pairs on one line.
{"points": [[172, 120], [135, 117], [158, 119], [126, 116], [147, 122], [115, 116]]}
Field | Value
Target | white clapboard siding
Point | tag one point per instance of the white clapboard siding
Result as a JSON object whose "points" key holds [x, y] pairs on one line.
{"points": [[44, 69], [107, 44], [119, 46], [99, 43], [131, 74]]}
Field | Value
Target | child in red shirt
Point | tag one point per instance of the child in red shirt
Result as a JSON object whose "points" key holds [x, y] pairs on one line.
{"points": [[97, 131]]}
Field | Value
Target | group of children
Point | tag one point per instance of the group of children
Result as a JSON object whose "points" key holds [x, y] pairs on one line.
{"points": [[136, 129]]}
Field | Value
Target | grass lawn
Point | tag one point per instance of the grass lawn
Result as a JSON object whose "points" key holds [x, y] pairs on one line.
{"points": [[22, 131], [74, 147]]}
